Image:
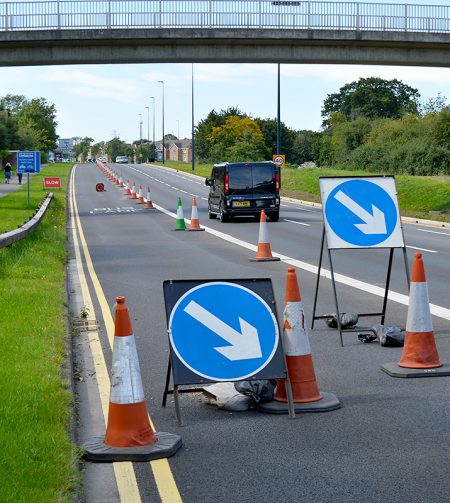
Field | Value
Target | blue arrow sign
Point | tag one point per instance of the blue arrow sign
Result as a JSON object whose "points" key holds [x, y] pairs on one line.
{"points": [[223, 331], [361, 213]]}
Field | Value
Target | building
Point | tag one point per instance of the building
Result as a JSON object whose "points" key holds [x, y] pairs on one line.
{"points": [[175, 150]]}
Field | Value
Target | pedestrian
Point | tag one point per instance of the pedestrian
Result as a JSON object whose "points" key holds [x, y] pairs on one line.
{"points": [[7, 172], [19, 176]]}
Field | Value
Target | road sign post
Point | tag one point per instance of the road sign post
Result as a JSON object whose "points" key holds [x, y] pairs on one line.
{"points": [[359, 213], [221, 330]]}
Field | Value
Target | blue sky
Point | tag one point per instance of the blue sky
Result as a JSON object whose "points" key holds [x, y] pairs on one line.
{"points": [[102, 100]]}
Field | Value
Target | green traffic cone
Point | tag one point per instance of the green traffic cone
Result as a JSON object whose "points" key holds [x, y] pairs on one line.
{"points": [[181, 224]]}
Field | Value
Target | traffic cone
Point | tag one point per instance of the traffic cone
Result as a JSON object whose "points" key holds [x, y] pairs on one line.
{"points": [[149, 204], [127, 190], [181, 224], [129, 435], [133, 191], [141, 197], [263, 253], [195, 223], [420, 357], [116, 181], [300, 368]]}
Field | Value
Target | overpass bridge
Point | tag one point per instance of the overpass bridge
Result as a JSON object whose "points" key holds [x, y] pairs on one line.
{"points": [[258, 31]]}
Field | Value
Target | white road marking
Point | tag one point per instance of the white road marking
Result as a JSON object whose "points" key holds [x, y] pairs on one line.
{"points": [[434, 232], [294, 222], [421, 249]]}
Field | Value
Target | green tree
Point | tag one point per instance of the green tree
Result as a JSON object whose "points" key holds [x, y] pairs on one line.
{"points": [[40, 115], [287, 137], [203, 145], [117, 147], [372, 98], [236, 135], [82, 147]]}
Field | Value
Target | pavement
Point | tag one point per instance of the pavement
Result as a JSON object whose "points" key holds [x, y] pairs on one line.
{"points": [[12, 186]]}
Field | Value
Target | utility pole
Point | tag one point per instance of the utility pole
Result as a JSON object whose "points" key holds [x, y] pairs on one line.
{"points": [[163, 143], [154, 151], [192, 106], [148, 133]]}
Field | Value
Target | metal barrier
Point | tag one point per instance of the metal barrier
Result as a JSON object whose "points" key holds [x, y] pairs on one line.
{"points": [[248, 14]]}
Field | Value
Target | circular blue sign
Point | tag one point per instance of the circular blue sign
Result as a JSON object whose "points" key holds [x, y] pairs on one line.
{"points": [[361, 213], [223, 331]]}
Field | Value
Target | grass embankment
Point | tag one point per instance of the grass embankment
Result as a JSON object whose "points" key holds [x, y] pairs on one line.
{"points": [[419, 196], [38, 461]]}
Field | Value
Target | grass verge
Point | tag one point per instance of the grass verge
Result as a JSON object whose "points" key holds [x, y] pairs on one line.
{"points": [[39, 462], [419, 196]]}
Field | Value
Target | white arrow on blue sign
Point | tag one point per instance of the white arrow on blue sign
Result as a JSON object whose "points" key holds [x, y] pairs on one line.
{"points": [[223, 331], [361, 212]]}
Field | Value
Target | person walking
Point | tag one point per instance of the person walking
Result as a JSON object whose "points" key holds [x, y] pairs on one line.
{"points": [[7, 172], [19, 176]]}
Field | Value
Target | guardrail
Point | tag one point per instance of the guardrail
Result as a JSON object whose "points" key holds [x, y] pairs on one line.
{"points": [[27, 228], [249, 14]]}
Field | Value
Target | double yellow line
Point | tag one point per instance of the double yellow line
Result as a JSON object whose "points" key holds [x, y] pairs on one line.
{"points": [[124, 472]]}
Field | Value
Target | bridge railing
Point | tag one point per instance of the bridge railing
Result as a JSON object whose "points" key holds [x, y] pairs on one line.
{"points": [[249, 14]]}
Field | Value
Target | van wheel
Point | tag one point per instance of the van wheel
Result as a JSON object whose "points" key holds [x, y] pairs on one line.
{"points": [[211, 215], [222, 215], [274, 217]]}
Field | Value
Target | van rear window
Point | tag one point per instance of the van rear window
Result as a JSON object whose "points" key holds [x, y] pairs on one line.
{"points": [[240, 177]]}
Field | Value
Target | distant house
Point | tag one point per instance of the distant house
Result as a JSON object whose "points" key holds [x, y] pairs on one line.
{"points": [[175, 150]]}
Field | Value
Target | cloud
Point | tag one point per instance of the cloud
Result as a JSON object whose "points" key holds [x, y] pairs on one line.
{"points": [[92, 85]]}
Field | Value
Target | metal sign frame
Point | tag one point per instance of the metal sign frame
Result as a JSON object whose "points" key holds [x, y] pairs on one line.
{"points": [[382, 314], [181, 375]]}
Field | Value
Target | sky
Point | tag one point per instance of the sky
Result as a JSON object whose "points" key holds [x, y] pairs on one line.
{"points": [[103, 101]]}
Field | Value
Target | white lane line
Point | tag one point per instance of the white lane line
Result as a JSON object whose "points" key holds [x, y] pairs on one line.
{"points": [[294, 222], [421, 249], [439, 311], [304, 209], [434, 232]]}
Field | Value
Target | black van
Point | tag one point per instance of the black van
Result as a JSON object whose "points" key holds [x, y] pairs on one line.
{"points": [[244, 188]]}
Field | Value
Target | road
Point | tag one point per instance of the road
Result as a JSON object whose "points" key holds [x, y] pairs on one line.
{"points": [[388, 442]]}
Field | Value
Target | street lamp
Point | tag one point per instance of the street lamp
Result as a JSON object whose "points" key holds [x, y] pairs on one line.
{"points": [[153, 98], [278, 114], [140, 136], [178, 127], [148, 133], [163, 148], [192, 117]]}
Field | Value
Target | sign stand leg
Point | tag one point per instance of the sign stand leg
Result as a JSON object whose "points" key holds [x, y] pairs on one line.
{"points": [[28, 183], [338, 315], [405, 258], [166, 387], [318, 279], [386, 290], [177, 405]]}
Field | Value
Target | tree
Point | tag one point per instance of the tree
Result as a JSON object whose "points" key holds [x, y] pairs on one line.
{"points": [[372, 98], [117, 147], [40, 115], [269, 131], [82, 147], [203, 145], [238, 137]]}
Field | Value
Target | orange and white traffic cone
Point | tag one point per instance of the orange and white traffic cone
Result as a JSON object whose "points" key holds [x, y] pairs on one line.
{"points": [[149, 204], [195, 222], [141, 197], [129, 435], [263, 253], [127, 190], [116, 181], [420, 357], [133, 191], [300, 367]]}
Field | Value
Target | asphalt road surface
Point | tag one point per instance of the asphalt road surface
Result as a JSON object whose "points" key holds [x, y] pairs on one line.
{"points": [[390, 440]]}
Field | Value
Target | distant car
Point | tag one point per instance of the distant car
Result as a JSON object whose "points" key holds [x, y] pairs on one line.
{"points": [[66, 160], [122, 159]]}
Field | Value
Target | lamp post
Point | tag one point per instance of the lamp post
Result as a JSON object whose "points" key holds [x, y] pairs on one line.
{"points": [[178, 129], [153, 98], [148, 133], [278, 114], [140, 136], [163, 148], [192, 117]]}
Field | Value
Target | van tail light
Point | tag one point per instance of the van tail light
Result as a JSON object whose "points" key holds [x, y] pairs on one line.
{"points": [[277, 182], [226, 187]]}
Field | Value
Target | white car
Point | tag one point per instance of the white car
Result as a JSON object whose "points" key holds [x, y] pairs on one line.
{"points": [[122, 159]]}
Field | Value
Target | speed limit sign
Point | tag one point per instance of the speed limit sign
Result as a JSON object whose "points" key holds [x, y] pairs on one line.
{"points": [[279, 159]]}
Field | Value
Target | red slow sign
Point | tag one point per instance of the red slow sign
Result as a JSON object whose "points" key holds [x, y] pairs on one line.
{"points": [[52, 183]]}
